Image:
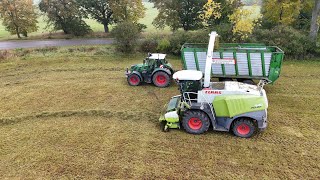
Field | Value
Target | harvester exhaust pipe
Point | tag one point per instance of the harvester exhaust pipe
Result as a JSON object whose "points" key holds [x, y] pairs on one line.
{"points": [[207, 76]]}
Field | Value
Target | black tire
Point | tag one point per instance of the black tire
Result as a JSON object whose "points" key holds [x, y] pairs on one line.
{"points": [[249, 81], [244, 128], [195, 122], [163, 126], [161, 79], [134, 80]]}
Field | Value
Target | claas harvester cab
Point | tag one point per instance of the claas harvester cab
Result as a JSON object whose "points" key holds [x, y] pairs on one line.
{"points": [[225, 106], [154, 69]]}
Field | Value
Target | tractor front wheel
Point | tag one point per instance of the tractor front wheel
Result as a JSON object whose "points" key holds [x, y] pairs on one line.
{"points": [[195, 122], [161, 79], [134, 80], [244, 128]]}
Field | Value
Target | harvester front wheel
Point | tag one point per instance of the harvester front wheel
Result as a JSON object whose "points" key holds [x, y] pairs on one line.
{"points": [[195, 122], [244, 128], [161, 79], [134, 80], [163, 126]]}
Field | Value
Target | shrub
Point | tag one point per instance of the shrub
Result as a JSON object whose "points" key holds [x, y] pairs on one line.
{"points": [[177, 39], [126, 36], [294, 43], [164, 45], [78, 27], [149, 45]]}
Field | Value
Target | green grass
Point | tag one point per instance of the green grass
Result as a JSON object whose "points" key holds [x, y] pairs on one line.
{"points": [[151, 14], [69, 113]]}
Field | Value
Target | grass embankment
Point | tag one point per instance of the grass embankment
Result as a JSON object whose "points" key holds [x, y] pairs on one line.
{"points": [[69, 113]]}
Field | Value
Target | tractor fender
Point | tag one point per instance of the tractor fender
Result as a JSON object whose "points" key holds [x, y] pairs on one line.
{"points": [[259, 117], [138, 74], [163, 70]]}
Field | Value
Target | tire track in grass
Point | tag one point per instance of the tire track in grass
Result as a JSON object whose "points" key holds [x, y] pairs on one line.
{"points": [[82, 113], [63, 70]]}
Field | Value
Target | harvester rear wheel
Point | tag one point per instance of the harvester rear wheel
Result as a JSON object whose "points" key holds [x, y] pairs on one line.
{"points": [[244, 128], [195, 122], [161, 79], [134, 80]]}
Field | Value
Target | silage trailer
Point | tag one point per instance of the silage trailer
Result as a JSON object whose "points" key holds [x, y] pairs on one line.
{"points": [[242, 62]]}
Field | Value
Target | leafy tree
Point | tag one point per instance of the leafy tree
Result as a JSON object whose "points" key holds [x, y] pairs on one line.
{"points": [[179, 14], [304, 18], [18, 16], [126, 36], [211, 10], [243, 22], [65, 15], [283, 12], [128, 10], [100, 10], [226, 8], [314, 29]]}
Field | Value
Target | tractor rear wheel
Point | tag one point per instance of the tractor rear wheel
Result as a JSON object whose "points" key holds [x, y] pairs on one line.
{"points": [[134, 80], [244, 128], [195, 122], [161, 79]]}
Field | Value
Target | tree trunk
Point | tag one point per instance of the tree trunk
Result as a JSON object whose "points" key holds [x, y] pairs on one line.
{"points": [[314, 21], [106, 27], [18, 33]]}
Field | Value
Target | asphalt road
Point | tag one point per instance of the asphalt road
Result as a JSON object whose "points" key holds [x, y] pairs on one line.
{"points": [[5, 45]]}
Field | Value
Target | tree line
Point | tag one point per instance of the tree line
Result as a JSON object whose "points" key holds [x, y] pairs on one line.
{"points": [[20, 16]]}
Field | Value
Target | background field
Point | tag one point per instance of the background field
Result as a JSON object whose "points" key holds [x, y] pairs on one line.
{"points": [[69, 113]]}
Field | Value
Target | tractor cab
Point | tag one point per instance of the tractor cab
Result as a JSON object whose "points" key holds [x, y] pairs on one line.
{"points": [[156, 60]]}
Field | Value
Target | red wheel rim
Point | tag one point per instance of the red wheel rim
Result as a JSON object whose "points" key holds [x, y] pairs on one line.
{"points": [[243, 129], [161, 79], [134, 80], [195, 123]]}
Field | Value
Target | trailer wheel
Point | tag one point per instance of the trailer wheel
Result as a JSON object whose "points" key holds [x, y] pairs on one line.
{"points": [[244, 128], [134, 80], [161, 79], [195, 122]]}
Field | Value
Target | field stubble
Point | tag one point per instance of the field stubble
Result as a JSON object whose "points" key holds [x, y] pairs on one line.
{"points": [[71, 114]]}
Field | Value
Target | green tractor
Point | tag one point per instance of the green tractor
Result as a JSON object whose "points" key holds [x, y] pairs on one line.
{"points": [[155, 69]]}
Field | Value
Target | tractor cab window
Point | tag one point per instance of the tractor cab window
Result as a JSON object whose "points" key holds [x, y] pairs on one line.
{"points": [[150, 62]]}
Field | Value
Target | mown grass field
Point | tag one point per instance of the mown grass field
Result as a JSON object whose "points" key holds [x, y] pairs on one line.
{"points": [[69, 113]]}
